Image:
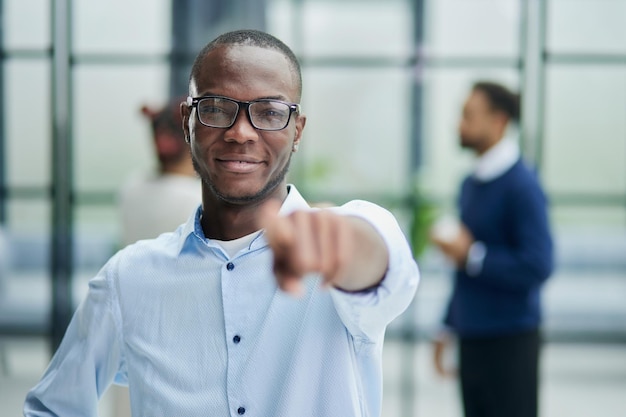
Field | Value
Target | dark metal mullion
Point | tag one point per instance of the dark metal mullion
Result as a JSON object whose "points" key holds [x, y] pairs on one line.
{"points": [[472, 61], [3, 179], [532, 93], [523, 33], [541, 88], [25, 54], [587, 199], [408, 386], [584, 58], [61, 266], [99, 58], [180, 44], [424, 61], [27, 192], [123, 59], [523, 68]]}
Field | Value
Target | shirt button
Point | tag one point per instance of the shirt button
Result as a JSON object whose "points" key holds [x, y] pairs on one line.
{"points": [[230, 266], [237, 338], [241, 411]]}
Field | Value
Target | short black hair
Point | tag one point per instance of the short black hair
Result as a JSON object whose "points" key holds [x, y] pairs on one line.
{"points": [[500, 98], [250, 37]]}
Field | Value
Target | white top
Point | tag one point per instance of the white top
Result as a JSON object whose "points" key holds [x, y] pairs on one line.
{"points": [[232, 247], [497, 160], [157, 204]]}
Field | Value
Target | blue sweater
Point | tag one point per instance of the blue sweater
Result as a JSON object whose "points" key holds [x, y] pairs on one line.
{"points": [[509, 215]]}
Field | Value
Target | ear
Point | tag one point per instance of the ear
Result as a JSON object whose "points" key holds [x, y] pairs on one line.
{"points": [[300, 123], [185, 112], [501, 121]]}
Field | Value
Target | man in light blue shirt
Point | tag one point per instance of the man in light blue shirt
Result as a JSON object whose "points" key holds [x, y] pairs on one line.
{"points": [[259, 305]]}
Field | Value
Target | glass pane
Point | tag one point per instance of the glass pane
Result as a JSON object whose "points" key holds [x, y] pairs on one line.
{"points": [[585, 130], [469, 28], [357, 28], [112, 138], [587, 26], [27, 284], [283, 21], [119, 26], [26, 287], [96, 239], [28, 122], [28, 228], [356, 139], [594, 218], [26, 24], [445, 90]]}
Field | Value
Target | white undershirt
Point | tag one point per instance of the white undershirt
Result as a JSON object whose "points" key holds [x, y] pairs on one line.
{"points": [[497, 160], [232, 247]]}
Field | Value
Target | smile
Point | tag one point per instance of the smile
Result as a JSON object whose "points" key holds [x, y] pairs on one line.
{"points": [[239, 166]]}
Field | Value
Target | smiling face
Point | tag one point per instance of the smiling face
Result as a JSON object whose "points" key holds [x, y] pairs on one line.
{"points": [[243, 165]]}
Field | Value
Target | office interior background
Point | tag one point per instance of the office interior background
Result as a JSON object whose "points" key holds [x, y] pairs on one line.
{"points": [[384, 82]]}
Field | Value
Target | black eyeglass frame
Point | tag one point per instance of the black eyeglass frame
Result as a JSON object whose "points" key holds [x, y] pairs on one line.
{"points": [[293, 107]]}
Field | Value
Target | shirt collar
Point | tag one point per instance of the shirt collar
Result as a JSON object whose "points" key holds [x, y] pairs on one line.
{"points": [[293, 202], [497, 160]]}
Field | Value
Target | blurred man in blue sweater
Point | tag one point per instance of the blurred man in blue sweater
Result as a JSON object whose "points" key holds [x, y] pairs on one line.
{"points": [[503, 254]]}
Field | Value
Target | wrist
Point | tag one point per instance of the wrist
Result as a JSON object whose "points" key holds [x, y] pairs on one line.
{"points": [[365, 290]]}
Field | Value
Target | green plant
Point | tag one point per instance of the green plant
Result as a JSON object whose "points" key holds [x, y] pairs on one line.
{"points": [[423, 214]]}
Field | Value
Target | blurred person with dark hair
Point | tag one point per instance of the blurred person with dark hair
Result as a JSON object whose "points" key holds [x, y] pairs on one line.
{"points": [[161, 200], [261, 305], [503, 253]]}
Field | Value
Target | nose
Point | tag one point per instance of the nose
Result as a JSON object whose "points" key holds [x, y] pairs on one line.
{"points": [[242, 130]]}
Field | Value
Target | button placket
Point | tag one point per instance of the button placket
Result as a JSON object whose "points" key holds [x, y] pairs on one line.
{"points": [[234, 318]]}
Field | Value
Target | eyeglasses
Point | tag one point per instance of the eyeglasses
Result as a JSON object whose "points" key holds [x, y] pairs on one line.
{"points": [[263, 114]]}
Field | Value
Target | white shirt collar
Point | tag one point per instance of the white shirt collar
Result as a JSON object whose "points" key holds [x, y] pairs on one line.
{"points": [[294, 201], [497, 160]]}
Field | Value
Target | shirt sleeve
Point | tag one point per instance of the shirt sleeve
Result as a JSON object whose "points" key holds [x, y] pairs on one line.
{"points": [[88, 358], [367, 314]]}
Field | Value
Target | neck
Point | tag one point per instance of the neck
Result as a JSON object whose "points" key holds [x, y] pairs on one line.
{"points": [[480, 151], [228, 224], [223, 220]]}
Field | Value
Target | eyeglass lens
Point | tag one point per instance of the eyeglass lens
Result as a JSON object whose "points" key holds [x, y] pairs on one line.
{"points": [[264, 114]]}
